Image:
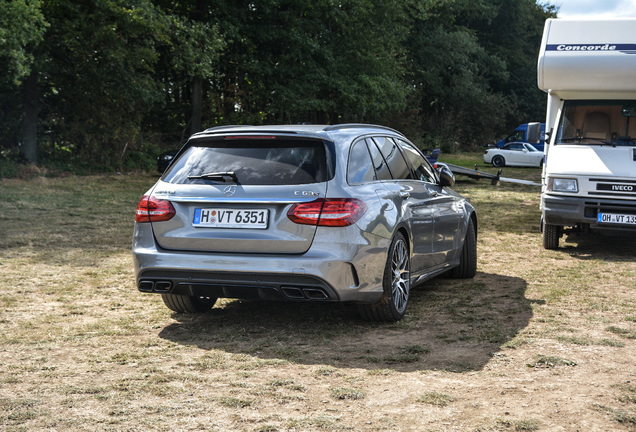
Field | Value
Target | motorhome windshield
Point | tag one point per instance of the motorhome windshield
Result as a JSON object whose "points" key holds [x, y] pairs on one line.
{"points": [[598, 123]]}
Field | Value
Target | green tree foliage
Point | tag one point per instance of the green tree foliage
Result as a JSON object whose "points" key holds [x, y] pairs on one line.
{"points": [[311, 60], [514, 35], [108, 82], [474, 66], [22, 27], [96, 74]]}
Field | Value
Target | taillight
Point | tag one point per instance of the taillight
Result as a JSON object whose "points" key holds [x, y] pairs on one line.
{"points": [[151, 209], [328, 212]]}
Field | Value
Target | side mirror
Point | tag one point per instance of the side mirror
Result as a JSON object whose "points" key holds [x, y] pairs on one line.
{"points": [[534, 132], [446, 176]]}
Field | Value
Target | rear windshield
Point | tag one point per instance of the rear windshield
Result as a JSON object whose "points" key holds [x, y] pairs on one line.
{"points": [[252, 162]]}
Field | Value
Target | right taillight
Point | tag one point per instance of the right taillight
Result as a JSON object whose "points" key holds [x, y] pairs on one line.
{"points": [[335, 212], [151, 209]]}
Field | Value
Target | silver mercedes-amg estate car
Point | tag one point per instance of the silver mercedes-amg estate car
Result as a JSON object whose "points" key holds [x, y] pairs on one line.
{"points": [[349, 213]]}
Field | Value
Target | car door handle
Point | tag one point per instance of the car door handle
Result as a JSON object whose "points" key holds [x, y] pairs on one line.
{"points": [[404, 194]]}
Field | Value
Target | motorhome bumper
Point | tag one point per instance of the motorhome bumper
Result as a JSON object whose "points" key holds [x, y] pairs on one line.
{"points": [[569, 211]]}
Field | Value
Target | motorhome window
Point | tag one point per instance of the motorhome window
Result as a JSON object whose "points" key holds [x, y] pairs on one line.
{"points": [[598, 123]]}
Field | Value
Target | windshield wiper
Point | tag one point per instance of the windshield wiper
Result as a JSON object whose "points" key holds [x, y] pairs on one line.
{"points": [[219, 176]]}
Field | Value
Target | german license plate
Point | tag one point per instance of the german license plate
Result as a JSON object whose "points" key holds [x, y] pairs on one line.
{"points": [[616, 218], [230, 218]]}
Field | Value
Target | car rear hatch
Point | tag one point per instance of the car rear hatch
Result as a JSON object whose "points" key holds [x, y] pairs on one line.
{"points": [[231, 194]]}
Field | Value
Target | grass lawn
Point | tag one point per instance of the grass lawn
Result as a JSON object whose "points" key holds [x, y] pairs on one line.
{"points": [[538, 340]]}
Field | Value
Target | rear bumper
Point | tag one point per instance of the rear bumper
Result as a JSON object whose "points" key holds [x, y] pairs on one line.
{"points": [[326, 272], [236, 285]]}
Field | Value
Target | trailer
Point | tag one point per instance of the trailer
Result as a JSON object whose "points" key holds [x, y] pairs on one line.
{"points": [[478, 175], [588, 70]]}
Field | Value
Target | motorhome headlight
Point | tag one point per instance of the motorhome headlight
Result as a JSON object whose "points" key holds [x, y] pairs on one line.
{"points": [[557, 184]]}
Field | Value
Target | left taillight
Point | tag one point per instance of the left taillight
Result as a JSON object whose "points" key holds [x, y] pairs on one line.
{"points": [[151, 209], [335, 212]]}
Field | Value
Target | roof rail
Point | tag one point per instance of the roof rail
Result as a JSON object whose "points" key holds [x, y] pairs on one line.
{"points": [[359, 125]]}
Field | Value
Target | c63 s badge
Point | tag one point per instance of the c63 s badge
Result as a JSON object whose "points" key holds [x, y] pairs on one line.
{"points": [[306, 193]]}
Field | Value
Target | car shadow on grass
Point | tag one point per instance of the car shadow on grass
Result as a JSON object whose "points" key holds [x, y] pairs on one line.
{"points": [[453, 325]]}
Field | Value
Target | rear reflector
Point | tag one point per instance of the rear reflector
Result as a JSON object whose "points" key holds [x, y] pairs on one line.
{"points": [[328, 212], [151, 209]]}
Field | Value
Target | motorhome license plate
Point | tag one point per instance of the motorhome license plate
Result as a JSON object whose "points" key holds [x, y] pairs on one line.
{"points": [[230, 218], [616, 218]]}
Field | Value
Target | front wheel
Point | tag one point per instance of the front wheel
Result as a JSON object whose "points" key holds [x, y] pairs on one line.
{"points": [[551, 235], [188, 304], [499, 161], [396, 284]]}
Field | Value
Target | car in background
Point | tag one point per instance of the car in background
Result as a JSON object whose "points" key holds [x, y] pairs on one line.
{"points": [[520, 134], [344, 213], [514, 154]]}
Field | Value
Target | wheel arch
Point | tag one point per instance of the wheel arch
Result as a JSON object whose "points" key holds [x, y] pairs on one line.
{"points": [[473, 218], [403, 229]]}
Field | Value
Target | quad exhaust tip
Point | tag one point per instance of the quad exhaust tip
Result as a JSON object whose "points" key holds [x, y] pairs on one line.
{"points": [[295, 293], [155, 286]]}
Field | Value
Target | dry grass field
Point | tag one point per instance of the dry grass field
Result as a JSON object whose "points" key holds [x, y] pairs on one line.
{"points": [[538, 341]]}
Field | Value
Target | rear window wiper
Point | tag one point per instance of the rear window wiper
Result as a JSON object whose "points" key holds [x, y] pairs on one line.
{"points": [[219, 176]]}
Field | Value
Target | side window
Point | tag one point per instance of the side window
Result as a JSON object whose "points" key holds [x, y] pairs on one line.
{"points": [[423, 170], [381, 167], [360, 168], [394, 158]]}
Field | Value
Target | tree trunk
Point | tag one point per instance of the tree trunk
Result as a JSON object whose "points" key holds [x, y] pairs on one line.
{"points": [[29, 142], [197, 103]]}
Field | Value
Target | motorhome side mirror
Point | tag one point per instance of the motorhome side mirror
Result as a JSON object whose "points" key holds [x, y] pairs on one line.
{"points": [[534, 132], [628, 111]]}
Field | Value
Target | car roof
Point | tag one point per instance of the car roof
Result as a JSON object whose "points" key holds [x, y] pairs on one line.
{"points": [[307, 130]]}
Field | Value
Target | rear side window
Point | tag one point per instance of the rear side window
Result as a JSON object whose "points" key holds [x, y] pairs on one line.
{"points": [[360, 168], [254, 162], [379, 163], [394, 158]]}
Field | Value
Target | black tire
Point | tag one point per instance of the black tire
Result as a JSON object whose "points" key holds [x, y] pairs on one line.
{"points": [[467, 267], [396, 283], [551, 235], [188, 304], [499, 161]]}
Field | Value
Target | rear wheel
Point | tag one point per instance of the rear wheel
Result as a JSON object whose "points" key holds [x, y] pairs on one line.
{"points": [[551, 235], [498, 161], [396, 283], [467, 267], [188, 304]]}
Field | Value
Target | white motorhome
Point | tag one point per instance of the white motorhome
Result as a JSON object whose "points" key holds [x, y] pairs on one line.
{"points": [[588, 69]]}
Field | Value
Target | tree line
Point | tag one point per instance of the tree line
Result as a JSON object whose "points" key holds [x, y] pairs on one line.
{"points": [[109, 83]]}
